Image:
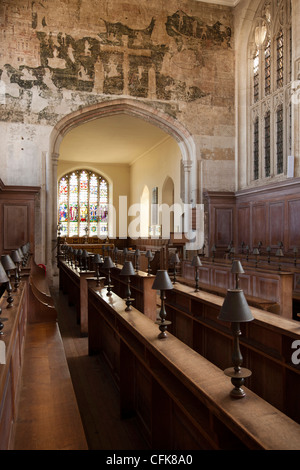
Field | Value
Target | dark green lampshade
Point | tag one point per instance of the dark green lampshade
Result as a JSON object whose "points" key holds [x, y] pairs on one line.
{"points": [[7, 263], [237, 267], [3, 275], [137, 252], [162, 281], [175, 258], [15, 256], [97, 259], [127, 269], [108, 264], [125, 251], [235, 307], [149, 254], [196, 261]]}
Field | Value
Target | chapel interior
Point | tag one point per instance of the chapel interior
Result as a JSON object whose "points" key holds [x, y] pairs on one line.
{"points": [[150, 225]]}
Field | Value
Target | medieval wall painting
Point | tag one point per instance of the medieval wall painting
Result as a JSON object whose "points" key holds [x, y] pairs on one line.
{"points": [[118, 60]]}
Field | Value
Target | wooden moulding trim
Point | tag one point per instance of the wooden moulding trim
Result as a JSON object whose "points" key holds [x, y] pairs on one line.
{"points": [[17, 189]]}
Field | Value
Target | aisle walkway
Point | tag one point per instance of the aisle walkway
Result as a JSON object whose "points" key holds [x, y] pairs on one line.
{"points": [[96, 393]]}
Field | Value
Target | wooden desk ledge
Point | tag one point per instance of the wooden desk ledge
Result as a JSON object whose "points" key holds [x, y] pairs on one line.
{"points": [[250, 418], [48, 417], [284, 324]]}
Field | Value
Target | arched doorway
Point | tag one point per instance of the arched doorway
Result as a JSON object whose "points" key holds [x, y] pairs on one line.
{"points": [[115, 107]]}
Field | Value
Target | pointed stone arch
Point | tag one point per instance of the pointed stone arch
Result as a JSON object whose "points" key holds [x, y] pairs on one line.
{"points": [[134, 108]]}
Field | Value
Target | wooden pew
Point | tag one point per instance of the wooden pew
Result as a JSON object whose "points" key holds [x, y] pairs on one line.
{"points": [[181, 399], [42, 307], [266, 344], [267, 289]]}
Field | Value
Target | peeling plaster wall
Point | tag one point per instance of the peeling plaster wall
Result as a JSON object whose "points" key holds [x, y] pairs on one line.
{"points": [[60, 56]]}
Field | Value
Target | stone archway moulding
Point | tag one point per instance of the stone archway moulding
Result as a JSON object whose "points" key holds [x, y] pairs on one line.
{"points": [[134, 108], [142, 111]]}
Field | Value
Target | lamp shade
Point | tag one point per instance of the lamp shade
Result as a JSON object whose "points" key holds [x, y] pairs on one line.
{"points": [[108, 264], [237, 267], [149, 254], [175, 258], [85, 254], [116, 250], [162, 281], [20, 253], [279, 252], [15, 256], [127, 269], [97, 259], [137, 252], [125, 251], [7, 263], [3, 275], [235, 307], [256, 251], [196, 261]]}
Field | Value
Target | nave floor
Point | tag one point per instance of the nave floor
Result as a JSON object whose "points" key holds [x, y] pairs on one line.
{"points": [[96, 393]]}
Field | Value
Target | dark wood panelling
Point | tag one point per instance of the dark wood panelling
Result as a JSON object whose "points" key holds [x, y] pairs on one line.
{"points": [[259, 224], [17, 216], [293, 222], [276, 223]]}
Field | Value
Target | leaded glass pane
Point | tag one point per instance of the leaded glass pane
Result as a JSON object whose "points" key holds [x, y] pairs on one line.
{"points": [[279, 142], [73, 200], [256, 77], [80, 212], [279, 43], [268, 69], [267, 145], [256, 149]]}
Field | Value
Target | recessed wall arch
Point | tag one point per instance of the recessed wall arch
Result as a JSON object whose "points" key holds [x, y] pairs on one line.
{"points": [[134, 108]]}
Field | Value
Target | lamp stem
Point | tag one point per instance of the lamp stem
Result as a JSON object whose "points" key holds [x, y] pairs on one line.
{"points": [[237, 357], [196, 279]]}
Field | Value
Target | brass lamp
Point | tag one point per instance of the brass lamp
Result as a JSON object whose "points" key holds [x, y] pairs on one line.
{"points": [[237, 269], [8, 265], [137, 255], [162, 282], [256, 254], [128, 271], [97, 261], [149, 255], [196, 263], [295, 251], [108, 264], [15, 256], [85, 256], [175, 260], [3, 283], [279, 254], [235, 309]]}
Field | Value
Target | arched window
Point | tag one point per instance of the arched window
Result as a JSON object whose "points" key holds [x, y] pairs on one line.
{"points": [[83, 204], [270, 108]]}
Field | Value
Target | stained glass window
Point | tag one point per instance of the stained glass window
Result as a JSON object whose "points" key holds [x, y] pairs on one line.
{"points": [[83, 204]]}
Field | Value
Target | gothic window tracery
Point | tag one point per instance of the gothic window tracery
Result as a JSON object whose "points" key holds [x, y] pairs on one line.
{"points": [[83, 204], [270, 58]]}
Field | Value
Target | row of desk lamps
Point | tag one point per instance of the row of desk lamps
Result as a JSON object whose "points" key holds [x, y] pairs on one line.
{"points": [[234, 310], [8, 264]]}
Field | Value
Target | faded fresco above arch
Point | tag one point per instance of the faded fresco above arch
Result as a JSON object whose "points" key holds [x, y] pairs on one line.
{"points": [[114, 60]]}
